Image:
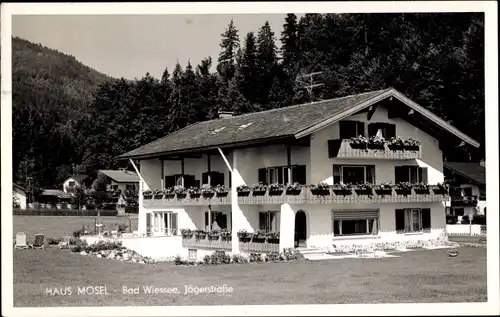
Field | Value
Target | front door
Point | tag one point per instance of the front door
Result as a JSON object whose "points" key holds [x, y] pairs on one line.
{"points": [[300, 229]]}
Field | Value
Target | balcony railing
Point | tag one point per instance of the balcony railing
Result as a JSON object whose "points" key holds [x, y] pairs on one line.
{"points": [[463, 200], [206, 241], [349, 150], [375, 194]]}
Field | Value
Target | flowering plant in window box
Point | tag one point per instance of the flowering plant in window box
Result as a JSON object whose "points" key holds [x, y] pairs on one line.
{"points": [[273, 237], [411, 144], [207, 191], [364, 189], [359, 142], [180, 191], [395, 143], [421, 188], [259, 235], [275, 189], [322, 189], [214, 235], [376, 143], [225, 234], [342, 189], [148, 194], [157, 194], [293, 189], [259, 189], [221, 190], [383, 189], [187, 233], [243, 234], [200, 234], [194, 192], [169, 193], [404, 188], [243, 190], [440, 189]]}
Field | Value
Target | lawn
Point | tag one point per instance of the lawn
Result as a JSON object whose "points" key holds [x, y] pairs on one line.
{"points": [[58, 226], [415, 277]]}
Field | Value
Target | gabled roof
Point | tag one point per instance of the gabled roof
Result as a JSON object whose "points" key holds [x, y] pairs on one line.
{"points": [[289, 122], [121, 176], [55, 192], [18, 187], [470, 170], [79, 178]]}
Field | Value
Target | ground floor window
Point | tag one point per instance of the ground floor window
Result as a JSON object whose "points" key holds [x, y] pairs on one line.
{"points": [[162, 222], [269, 221], [350, 223], [413, 220]]}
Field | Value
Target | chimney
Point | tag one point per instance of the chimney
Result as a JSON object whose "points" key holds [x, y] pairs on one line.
{"points": [[225, 114]]}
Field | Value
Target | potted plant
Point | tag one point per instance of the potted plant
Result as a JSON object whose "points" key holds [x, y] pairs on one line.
{"points": [[293, 189], [157, 194], [383, 189], [200, 234], [259, 189], [180, 192], [395, 144], [194, 192], [322, 189], [411, 144], [364, 189], [342, 189], [359, 142], [404, 188], [148, 194], [187, 233], [214, 235], [421, 188], [243, 190], [207, 191], [273, 237], [244, 236], [225, 235], [169, 193], [275, 189], [221, 190], [376, 143], [440, 189]]}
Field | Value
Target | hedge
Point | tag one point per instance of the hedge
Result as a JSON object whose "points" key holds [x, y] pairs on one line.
{"points": [[63, 212]]}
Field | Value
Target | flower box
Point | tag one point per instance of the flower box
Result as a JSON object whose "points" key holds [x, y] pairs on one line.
{"points": [[421, 191], [363, 192], [376, 146], [383, 191], [410, 147], [320, 191], [293, 192], [358, 146], [208, 194], [342, 191], [169, 196], [259, 192], [181, 195], [158, 196], [244, 193], [222, 194], [403, 191], [275, 192], [395, 147], [148, 196], [200, 235]]}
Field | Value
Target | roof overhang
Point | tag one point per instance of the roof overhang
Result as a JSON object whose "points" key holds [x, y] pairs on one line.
{"points": [[384, 95], [455, 171]]}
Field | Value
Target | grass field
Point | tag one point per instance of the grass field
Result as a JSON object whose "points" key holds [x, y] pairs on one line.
{"points": [[58, 226], [415, 277]]}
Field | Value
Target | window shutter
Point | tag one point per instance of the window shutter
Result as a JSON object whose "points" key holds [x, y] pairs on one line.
{"points": [[333, 148], [360, 128], [220, 179], [370, 174], [262, 220], [169, 181], [173, 222], [400, 220], [204, 178], [229, 173], [423, 176], [284, 170], [400, 174], [262, 176], [426, 219], [299, 174], [280, 175], [372, 129], [346, 130], [390, 131], [206, 219]]}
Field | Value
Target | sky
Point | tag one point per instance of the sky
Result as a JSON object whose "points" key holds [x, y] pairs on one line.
{"points": [[131, 45]]}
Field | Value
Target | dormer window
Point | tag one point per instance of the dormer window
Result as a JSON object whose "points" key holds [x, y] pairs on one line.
{"points": [[351, 129]]}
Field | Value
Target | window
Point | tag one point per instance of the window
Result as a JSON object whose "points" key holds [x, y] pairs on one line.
{"points": [[71, 183], [269, 221], [412, 174], [353, 222], [350, 129], [388, 129], [176, 180], [163, 223], [217, 219], [130, 187], [192, 254], [279, 174], [413, 220], [216, 178], [114, 187], [457, 211], [353, 174], [467, 191]]}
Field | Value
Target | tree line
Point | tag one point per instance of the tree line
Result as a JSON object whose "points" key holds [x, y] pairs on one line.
{"points": [[435, 59]]}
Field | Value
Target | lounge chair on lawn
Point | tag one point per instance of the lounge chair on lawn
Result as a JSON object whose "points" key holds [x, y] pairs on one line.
{"points": [[21, 241], [38, 244], [65, 243]]}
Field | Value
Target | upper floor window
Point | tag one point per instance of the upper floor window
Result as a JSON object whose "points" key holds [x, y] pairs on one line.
{"points": [[216, 178], [176, 180], [351, 129], [467, 191], [279, 174], [269, 221], [411, 174], [353, 174], [388, 130]]}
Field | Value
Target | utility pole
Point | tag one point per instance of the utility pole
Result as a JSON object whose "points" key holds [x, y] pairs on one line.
{"points": [[309, 85]]}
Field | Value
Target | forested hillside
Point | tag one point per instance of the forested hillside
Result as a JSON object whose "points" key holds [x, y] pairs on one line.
{"points": [[435, 59]]}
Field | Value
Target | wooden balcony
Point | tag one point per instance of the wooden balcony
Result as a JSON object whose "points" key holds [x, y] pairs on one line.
{"points": [[463, 201], [345, 149], [259, 246], [207, 242], [307, 195]]}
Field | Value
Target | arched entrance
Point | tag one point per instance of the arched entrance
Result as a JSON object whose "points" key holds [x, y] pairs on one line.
{"points": [[300, 229]]}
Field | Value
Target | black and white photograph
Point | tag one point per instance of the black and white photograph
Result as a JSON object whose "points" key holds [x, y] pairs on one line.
{"points": [[250, 158]]}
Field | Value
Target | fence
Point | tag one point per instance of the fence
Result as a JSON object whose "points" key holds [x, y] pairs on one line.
{"points": [[63, 212]]}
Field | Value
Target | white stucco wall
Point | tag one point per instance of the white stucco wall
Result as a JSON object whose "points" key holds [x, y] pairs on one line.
{"points": [[19, 196], [66, 184], [384, 169]]}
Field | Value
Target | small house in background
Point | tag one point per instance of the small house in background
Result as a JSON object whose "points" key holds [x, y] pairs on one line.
{"points": [[467, 189], [121, 179], [74, 181], [50, 198], [19, 196]]}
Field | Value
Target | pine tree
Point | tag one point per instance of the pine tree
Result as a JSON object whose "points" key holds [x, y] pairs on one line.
{"points": [[229, 44], [266, 62], [289, 41], [248, 69]]}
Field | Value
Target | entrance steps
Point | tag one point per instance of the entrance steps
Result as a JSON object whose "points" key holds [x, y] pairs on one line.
{"points": [[314, 254]]}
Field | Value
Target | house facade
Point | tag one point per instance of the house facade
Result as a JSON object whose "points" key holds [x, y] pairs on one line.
{"points": [[75, 181], [467, 188], [19, 196], [361, 169]]}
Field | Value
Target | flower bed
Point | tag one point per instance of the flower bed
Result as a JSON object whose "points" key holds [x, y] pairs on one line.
{"points": [[111, 250]]}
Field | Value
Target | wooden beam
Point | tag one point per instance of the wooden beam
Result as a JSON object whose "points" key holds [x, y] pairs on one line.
{"points": [[289, 161], [411, 112], [162, 174], [209, 218], [182, 172], [208, 169], [371, 111]]}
